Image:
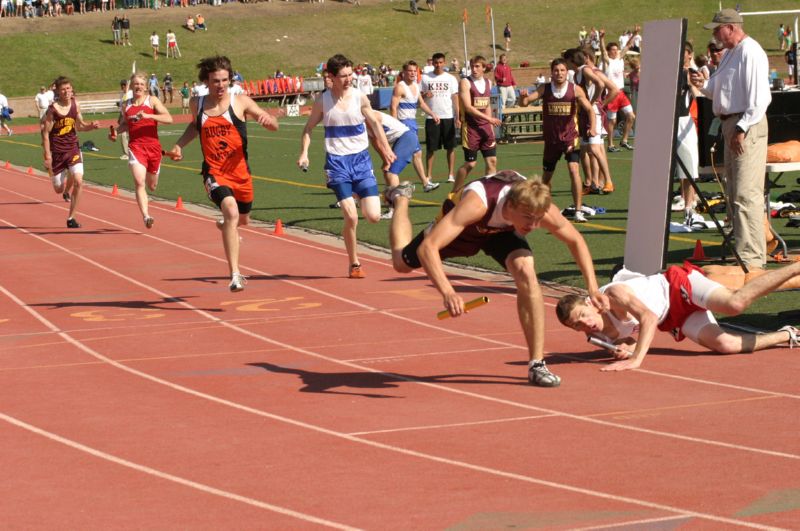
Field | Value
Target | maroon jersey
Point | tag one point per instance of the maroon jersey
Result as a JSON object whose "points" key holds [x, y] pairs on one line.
{"points": [[559, 116], [480, 100], [64, 146], [476, 132], [472, 238]]}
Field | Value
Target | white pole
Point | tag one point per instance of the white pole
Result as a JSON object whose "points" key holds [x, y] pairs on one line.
{"points": [[466, 55], [494, 43]]}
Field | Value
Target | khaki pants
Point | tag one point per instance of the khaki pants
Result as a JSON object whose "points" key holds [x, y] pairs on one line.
{"points": [[744, 187]]}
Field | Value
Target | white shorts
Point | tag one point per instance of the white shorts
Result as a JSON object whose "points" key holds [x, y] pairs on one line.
{"points": [[601, 131], [687, 148], [60, 177], [702, 288], [612, 115]]}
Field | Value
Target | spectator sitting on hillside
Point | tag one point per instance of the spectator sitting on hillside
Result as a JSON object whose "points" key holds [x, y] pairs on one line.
{"points": [[190, 23], [201, 22]]}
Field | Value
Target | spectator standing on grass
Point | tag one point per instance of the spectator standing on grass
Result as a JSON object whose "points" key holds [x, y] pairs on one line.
{"points": [[220, 124], [790, 56], [346, 113], [740, 95], [431, 5], [43, 100], [185, 95], [153, 86], [62, 153], [172, 45], [125, 24], [687, 149], [116, 31], [505, 82], [168, 88], [154, 42], [440, 92], [507, 36], [614, 69]]}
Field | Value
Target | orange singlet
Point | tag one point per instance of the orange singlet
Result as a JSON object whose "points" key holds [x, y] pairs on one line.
{"points": [[223, 140]]}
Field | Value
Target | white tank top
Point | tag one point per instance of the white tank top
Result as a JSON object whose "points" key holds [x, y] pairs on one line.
{"points": [[407, 109], [393, 128], [345, 130], [653, 291]]}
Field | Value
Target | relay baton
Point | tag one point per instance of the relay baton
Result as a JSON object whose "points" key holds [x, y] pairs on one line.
{"points": [[471, 305], [605, 344]]}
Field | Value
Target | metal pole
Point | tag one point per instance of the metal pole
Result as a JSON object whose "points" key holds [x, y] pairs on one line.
{"points": [[466, 55]]}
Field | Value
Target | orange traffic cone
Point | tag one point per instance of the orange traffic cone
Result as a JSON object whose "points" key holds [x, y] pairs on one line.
{"points": [[8, 164], [30, 170], [278, 228], [699, 254], [179, 204], [115, 191]]}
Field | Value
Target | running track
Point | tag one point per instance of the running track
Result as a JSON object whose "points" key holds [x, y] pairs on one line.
{"points": [[138, 392]]}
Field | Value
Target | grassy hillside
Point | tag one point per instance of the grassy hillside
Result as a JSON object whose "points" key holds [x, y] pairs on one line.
{"points": [[35, 51]]}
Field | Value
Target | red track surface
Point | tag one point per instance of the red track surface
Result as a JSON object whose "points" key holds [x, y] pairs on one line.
{"points": [[138, 392]]}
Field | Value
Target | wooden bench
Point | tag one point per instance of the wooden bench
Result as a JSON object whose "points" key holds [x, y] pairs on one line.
{"points": [[99, 106], [521, 122]]}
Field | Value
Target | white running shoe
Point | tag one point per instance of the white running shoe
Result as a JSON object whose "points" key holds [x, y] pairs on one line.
{"points": [[794, 335], [238, 282], [430, 187], [579, 217], [678, 204], [388, 214], [451, 179]]}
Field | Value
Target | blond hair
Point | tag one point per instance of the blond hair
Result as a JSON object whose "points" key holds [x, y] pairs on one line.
{"points": [[530, 195]]}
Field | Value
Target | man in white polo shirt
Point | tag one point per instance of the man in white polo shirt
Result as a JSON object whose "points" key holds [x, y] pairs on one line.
{"points": [[740, 92]]}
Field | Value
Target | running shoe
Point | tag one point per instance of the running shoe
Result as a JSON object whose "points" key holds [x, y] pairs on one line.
{"points": [[148, 222], [608, 188], [335, 205], [430, 187], [238, 282], [356, 271], [451, 179], [123, 157], [678, 204], [540, 376], [579, 217], [405, 188], [389, 214], [613, 149], [626, 146], [66, 197], [73, 224], [794, 335]]}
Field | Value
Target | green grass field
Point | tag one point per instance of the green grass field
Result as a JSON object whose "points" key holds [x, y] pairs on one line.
{"points": [[377, 31], [36, 51]]}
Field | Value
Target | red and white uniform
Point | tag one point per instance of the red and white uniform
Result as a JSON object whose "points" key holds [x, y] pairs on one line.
{"points": [[143, 145]]}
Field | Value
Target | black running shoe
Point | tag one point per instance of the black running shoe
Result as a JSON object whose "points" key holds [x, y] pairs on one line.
{"points": [[66, 197], [72, 224]]}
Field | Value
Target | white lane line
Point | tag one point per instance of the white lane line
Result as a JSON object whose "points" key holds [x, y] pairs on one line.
{"points": [[636, 524], [452, 425], [170, 477], [368, 442]]}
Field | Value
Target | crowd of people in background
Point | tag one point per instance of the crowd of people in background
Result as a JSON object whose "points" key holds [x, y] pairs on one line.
{"points": [[53, 8]]}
